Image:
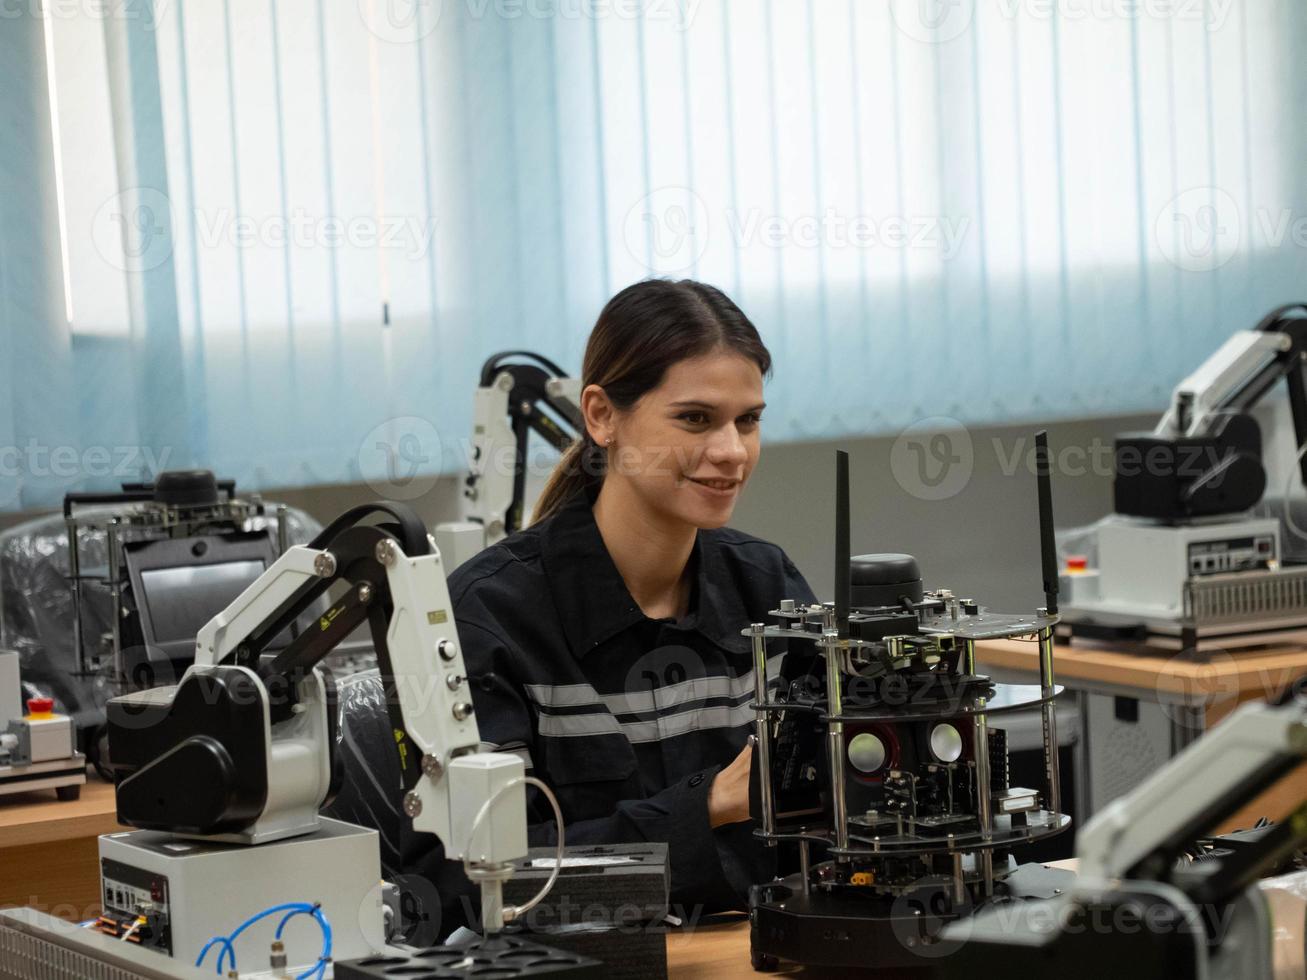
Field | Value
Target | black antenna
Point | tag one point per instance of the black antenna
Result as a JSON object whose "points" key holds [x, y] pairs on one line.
{"points": [[842, 557], [1047, 544]]}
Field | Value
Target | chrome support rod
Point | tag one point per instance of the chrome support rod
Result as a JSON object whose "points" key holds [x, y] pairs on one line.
{"points": [[984, 797], [1052, 765], [835, 707], [756, 634]]}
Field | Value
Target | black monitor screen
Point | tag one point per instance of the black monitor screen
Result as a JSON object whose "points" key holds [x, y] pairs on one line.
{"points": [[183, 598]]}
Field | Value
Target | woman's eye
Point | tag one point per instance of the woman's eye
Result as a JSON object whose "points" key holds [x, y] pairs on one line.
{"points": [[750, 420], [694, 418]]}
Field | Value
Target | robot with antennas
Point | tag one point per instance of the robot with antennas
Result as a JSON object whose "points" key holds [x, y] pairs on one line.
{"points": [[883, 757]]}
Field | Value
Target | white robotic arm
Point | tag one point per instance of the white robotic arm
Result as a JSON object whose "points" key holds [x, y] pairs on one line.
{"points": [[251, 731], [1208, 391], [514, 399], [1140, 834]]}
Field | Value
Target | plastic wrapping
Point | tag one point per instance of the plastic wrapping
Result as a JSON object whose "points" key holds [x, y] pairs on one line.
{"points": [[435, 895], [1286, 899], [36, 605], [371, 789]]}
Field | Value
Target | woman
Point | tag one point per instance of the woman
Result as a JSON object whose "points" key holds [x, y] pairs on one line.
{"points": [[605, 638]]}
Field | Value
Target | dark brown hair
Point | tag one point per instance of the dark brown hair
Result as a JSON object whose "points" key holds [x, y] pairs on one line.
{"points": [[641, 332]]}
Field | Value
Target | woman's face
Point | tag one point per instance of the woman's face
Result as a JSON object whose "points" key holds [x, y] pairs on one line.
{"points": [[687, 447]]}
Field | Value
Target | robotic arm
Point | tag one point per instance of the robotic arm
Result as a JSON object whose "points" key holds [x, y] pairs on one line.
{"points": [[514, 400], [242, 749], [1142, 834], [1205, 455]]}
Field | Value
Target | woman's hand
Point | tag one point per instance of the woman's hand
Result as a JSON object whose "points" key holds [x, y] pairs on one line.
{"points": [[728, 799]]}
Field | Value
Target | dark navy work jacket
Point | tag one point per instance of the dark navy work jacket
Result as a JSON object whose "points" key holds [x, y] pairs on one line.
{"points": [[626, 718]]}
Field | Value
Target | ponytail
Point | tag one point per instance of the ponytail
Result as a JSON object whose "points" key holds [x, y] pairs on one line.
{"points": [[579, 471]]}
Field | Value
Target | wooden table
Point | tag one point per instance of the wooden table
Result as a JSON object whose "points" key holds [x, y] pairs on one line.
{"points": [[1197, 695], [714, 951], [49, 857]]}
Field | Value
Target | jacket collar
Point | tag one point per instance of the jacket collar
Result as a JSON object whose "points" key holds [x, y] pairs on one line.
{"points": [[593, 602]]}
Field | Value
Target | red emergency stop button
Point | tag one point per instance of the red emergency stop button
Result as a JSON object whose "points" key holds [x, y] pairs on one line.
{"points": [[1076, 563], [40, 706]]}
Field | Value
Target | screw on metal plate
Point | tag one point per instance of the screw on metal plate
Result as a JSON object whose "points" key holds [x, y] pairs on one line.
{"points": [[386, 552], [412, 804], [365, 593], [431, 766], [462, 711], [324, 565]]}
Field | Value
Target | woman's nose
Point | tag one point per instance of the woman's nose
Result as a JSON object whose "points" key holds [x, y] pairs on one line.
{"points": [[726, 446]]}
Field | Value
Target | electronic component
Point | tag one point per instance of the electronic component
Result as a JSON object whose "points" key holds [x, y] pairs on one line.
{"points": [[177, 551], [37, 946], [191, 890], [38, 748], [886, 749]]}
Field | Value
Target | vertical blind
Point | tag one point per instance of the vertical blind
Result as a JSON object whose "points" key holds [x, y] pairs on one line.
{"points": [[990, 210]]}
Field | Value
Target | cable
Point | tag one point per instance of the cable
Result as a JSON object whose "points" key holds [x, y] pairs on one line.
{"points": [[316, 912], [199, 960], [293, 908], [140, 921], [512, 912], [1288, 491]]}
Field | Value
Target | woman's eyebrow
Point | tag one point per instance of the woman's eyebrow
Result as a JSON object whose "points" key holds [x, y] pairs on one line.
{"points": [[710, 407]]}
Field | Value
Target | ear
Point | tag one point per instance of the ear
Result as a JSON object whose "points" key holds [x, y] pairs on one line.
{"points": [[600, 414]]}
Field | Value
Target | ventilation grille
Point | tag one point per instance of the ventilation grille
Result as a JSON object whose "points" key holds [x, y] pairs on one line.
{"points": [[36, 947], [1246, 596]]}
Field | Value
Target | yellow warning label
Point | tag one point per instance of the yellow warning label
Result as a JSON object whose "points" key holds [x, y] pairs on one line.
{"points": [[325, 621], [437, 616], [403, 748]]}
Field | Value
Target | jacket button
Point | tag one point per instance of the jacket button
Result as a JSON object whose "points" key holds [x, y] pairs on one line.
{"points": [[696, 779]]}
